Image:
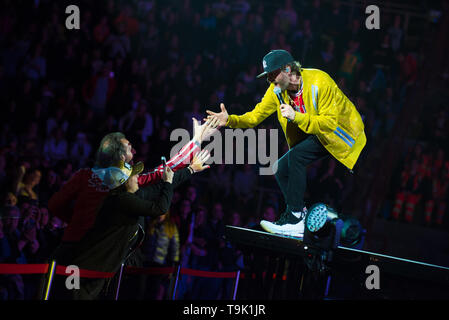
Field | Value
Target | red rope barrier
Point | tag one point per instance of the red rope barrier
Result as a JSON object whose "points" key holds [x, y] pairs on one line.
{"points": [[66, 271], [170, 270], [84, 273], [208, 274], [136, 270], [10, 268]]}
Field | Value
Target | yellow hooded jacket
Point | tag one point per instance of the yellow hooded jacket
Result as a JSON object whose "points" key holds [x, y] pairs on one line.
{"points": [[330, 115]]}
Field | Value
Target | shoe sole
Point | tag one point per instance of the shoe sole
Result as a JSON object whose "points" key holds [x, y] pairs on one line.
{"points": [[285, 233]]}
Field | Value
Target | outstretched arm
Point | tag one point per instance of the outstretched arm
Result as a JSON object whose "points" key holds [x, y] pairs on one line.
{"points": [[220, 118], [185, 156], [250, 119], [152, 191], [136, 205]]}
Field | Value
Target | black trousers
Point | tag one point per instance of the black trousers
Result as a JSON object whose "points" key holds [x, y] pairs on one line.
{"points": [[90, 288], [291, 173]]}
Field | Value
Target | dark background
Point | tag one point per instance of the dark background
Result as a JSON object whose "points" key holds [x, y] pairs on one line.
{"points": [[164, 61]]}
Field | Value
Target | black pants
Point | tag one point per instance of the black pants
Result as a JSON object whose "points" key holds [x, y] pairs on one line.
{"points": [[291, 173], [90, 288]]}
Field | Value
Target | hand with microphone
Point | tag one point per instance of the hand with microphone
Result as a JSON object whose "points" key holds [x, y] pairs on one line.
{"points": [[286, 110]]}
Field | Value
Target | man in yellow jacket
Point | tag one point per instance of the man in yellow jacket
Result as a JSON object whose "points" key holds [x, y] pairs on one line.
{"points": [[317, 120]]}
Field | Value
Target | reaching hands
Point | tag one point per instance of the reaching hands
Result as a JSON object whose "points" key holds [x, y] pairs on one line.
{"points": [[204, 131], [212, 123], [199, 160], [220, 119]]}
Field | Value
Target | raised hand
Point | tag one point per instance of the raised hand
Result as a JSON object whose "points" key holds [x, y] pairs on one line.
{"points": [[199, 160], [203, 131], [221, 117]]}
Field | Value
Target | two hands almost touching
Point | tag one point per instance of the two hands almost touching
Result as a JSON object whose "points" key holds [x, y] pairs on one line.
{"points": [[218, 119], [202, 132], [213, 122]]}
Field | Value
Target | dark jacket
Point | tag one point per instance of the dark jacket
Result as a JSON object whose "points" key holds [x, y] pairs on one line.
{"points": [[108, 243]]}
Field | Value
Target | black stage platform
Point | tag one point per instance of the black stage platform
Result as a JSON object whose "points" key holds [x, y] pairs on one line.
{"points": [[287, 261]]}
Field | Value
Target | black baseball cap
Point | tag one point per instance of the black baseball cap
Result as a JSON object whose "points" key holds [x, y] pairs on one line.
{"points": [[274, 60]]}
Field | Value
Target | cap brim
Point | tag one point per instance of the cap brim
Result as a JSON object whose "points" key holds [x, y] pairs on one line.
{"points": [[137, 168], [261, 75]]}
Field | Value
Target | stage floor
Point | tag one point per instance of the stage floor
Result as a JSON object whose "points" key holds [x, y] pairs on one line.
{"points": [[349, 259]]}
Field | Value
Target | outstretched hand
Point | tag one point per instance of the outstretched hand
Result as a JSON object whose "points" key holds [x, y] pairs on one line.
{"points": [[221, 118], [203, 131], [199, 160]]}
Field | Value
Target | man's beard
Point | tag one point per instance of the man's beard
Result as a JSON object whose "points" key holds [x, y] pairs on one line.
{"points": [[293, 87]]}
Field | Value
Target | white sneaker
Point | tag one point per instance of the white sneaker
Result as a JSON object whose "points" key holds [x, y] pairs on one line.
{"points": [[290, 224]]}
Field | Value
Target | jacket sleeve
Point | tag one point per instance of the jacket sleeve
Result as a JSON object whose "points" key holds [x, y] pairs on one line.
{"points": [[328, 109], [59, 204], [152, 191], [135, 206], [181, 176], [266, 107], [181, 160]]}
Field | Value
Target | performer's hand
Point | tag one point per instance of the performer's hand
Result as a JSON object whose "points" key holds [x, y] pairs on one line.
{"points": [[203, 131], [167, 176], [198, 161], [287, 111], [221, 118]]}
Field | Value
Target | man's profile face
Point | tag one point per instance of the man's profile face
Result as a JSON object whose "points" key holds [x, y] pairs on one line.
{"points": [[129, 150], [283, 78], [294, 78]]}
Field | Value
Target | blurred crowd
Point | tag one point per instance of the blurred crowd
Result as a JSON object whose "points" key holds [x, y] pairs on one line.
{"points": [[420, 190], [145, 68]]}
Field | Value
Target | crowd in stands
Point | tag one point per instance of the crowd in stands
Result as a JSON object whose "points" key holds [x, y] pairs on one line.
{"points": [[420, 187], [145, 68]]}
